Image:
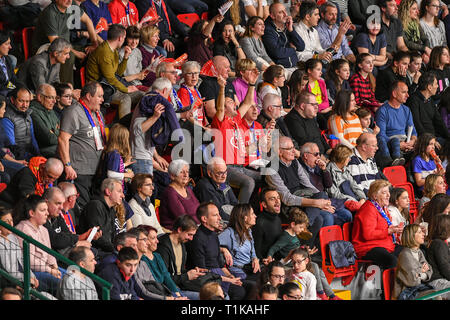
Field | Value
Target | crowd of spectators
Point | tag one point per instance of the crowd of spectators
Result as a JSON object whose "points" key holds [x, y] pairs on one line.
{"points": [[201, 161]]}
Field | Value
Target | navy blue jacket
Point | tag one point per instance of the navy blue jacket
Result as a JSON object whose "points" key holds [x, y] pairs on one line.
{"points": [[121, 289], [277, 45]]}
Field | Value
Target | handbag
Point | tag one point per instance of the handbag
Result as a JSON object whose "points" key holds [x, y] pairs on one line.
{"points": [[196, 284], [157, 288]]}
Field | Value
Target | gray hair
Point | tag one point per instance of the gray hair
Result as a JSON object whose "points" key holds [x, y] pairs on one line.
{"points": [[306, 148], [325, 5], [162, 67], [161, 83], [189, 65], [176, 166], [67, 188], [213, 161], [269, 99], [54, 164], [50, 193], [109, 184], [41, 89], [58, 45]]}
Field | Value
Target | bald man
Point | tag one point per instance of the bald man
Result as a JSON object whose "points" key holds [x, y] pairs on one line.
{"points": [[45, 120], [209, 88]]}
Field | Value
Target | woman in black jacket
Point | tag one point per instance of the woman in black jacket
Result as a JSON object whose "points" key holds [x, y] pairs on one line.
{"points": [[8, 79]]}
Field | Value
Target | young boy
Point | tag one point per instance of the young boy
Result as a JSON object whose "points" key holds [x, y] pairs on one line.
{"points": [[365, 117], [298, 222], [120, 275]]}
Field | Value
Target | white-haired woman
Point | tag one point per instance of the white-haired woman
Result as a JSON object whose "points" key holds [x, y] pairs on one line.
{"points": [[178, 198], [189, 94]]}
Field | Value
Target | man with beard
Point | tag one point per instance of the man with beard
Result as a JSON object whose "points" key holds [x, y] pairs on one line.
{"points": [[333, 36], [392, 27]]}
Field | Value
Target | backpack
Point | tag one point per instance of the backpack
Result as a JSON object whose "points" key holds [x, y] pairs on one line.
{"points": [[342, 253]]}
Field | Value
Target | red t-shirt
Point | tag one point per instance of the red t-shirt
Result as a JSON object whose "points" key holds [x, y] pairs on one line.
{"points": [[235, 136], [118, 11], [188, 96]]}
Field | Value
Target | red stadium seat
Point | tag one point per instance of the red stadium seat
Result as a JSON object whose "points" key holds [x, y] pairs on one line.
{"points": [[3, 186], [188, 18], [83, 76], [396, 174], [27, 34], [413, 203], [328, 234], [204, 16], [388, 282]]}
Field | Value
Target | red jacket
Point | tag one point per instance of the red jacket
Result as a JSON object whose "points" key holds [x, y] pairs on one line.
{"points": [[370, 230]]}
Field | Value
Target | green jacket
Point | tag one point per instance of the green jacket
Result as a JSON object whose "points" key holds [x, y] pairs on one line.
{"points": [[46, 128], [103, 62]]}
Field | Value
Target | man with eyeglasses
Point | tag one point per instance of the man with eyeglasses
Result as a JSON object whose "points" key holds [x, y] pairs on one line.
{"points": [[215, 187], [271, 110], [45, 67], [302, 123], [18, 125], [45, 120], [295, 188], [362, 165], [71, 210]]}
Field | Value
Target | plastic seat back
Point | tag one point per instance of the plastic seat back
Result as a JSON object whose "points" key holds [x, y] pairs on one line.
{"points": [[27, 34], [388, 282], [188, 18], [396, 174]]}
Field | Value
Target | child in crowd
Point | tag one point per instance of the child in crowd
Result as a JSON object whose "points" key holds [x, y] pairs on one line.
{"points": [[412, 268], [399, 206], [268, 292], [415, 65], [288, 241], [344, 123], [423, 163], [366, 118], [316, 84], [273, 79], [337, 77], [362, 82], [301, 274]]}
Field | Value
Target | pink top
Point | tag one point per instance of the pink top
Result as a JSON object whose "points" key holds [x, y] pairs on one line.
{"points": [[39, 259], [241, 88], [174, 205], [323, 88]]}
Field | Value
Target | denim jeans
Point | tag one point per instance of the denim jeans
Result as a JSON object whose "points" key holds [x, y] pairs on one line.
{"points": [[342, 216], [47, 282], [142, 166], [389, 148], [192, 295]]}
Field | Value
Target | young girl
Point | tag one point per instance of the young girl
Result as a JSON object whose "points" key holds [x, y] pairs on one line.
{"points": [[317, 85], [301, 274], [415, 64], [296, 84], [344, 123], [423, 164], [439, 65], [362, 82], [399, 206], [273, 78], [365, 117], [337, 77], [412, 269], [434, 184]]}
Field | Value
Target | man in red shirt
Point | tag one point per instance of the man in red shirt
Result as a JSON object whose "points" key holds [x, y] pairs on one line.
{"points": [[237, 142], [123, 12]]}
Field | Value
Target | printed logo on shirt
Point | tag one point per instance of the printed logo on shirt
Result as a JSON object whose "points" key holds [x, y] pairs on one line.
{"points": [[58, 230]]}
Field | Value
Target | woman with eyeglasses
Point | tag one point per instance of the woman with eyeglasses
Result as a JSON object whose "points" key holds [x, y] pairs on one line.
{"points": [[141, 204], [189, 94], [244, 68], [344, 123], [433, 27]]}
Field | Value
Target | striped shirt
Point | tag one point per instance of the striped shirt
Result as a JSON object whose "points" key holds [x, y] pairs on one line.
{"points": [[347, 131], [364, 95], [364, 172]]}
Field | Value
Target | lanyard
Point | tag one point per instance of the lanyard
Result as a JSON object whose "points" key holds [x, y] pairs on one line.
{"points": [[163, 5], [91, 120], [191, 96], [384, 215], [69, 217], [252, 129], [127, 12], [177, 100]]}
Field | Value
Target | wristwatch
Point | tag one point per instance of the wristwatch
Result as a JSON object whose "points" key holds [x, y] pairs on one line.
{"points": [[67, 164]]}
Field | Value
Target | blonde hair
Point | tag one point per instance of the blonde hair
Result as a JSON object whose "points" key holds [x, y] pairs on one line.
{"points": [[210, 290], [119, 139], [376, 186], [120, 214], [403, 13], [235, 13], [430, 185], [244, 65], [340, 153], [147, 32], [409, 236]]}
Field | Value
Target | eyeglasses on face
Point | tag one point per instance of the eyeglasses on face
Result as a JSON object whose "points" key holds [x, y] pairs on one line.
{"points": [[294, 297], [191, 74], [315, 154], [278, 276]]}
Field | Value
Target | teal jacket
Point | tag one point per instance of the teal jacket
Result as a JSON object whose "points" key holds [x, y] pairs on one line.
{"points": [[46, 128]]}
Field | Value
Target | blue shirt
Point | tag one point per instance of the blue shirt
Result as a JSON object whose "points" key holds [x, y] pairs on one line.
{"points": [[362, 40], [242, 253], [95, 13], [393, 121], [425, 168], [327, 36]]}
